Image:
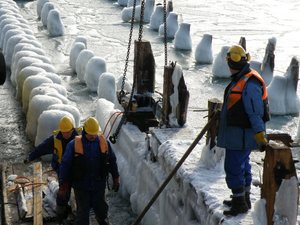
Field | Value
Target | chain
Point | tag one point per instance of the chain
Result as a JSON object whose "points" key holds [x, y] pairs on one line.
{"points": [[122, 92], [141, 20], [165, 32], [114, 137]]}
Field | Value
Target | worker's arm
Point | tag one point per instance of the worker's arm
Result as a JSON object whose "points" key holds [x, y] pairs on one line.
{"points": [[46, 147], [253, 104]]}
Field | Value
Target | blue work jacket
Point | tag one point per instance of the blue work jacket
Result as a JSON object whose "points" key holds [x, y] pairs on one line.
{"points": [[91, 181], [237, 137]]}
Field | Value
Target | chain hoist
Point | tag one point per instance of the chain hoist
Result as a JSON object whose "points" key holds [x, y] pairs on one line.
{"points": [[114, 136]]}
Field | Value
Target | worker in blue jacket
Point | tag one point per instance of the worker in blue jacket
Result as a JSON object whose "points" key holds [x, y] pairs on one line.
{"points": [[242, 127], [56, 143], [85, 166]]}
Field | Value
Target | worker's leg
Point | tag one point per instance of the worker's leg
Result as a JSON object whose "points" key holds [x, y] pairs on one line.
{"points": [[83, 207], [100, 206]]}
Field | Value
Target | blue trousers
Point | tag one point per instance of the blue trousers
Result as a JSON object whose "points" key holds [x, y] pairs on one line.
{"points": [[87, 200], [238, 168]]}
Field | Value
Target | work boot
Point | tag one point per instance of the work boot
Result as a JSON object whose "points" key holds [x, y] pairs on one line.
{"points": [[247, 198], [228, 202], [238, 206]]}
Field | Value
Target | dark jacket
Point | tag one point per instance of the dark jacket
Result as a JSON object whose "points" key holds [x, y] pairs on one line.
{"points": [[47, 147], [92, 178]]}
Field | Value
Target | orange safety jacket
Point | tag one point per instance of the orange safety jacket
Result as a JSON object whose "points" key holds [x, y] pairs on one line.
{"points": [[235, 108], [79, 147], [235, 94]]}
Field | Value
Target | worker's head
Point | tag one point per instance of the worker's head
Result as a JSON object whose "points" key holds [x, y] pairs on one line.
{"points": [[237, 57], [66, 126], [91, 127]]}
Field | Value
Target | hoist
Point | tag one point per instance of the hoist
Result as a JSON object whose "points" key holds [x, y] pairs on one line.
{"points": [[143, 106]]}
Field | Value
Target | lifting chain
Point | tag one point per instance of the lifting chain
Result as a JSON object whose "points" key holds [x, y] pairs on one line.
{"points": [[165, 33], [114, 137], [122, 92]]}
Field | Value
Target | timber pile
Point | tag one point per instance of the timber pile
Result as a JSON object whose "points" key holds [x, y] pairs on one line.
{"points": [[23, 198]]}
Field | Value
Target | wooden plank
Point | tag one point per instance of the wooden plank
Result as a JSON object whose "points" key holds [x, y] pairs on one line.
{"points": [[4, 194], [37, 195]]}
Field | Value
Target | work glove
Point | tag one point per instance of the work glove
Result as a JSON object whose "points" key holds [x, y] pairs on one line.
{"points": [[116, 184], [261, 140], [63, 194], [26, 161], [61, 213]]}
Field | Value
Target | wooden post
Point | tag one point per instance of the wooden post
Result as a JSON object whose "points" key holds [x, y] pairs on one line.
{"points": [[167, 91], [37, 194], [183, 97], [213, 105], [4, 194], [242, 42], [144, 68], [278, 156]]}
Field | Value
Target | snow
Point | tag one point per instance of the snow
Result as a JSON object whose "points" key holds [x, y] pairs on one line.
{"points": [[93, 70], [183, 40], [172, 26], [107, 87], [157, 17], [203, 53], [55, 26]]}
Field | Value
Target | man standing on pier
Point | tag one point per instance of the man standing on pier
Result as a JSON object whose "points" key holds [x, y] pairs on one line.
{"points": [[242, 127]]}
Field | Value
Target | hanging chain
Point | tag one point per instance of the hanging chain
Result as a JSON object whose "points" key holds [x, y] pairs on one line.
{"points": [[141, 20], [114, 137], [165, 33], [122, 92]]}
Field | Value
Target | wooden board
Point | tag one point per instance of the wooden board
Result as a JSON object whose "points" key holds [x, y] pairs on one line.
{"points": [[37, 195]]}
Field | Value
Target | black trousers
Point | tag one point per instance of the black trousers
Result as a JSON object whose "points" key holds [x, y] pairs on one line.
{"points": [[87, 200]]}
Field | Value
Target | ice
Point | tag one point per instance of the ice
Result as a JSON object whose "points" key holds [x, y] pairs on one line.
{"points": [[107, 87], [55, 26], [183, 40], [203, 53]]}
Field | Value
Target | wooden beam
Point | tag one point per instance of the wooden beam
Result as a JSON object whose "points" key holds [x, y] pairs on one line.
{"points": [[37, 195], [4, 194], [213, 105]]}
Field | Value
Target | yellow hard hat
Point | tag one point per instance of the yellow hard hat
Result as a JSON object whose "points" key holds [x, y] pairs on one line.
{"points": [[91, 126], [237, 53], [66, 124]]}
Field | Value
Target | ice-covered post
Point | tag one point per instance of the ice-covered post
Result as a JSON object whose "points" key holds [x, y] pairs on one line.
{"points": [[242, 42], [183, 96], [278, 165], [213, 105], [144, 67]]}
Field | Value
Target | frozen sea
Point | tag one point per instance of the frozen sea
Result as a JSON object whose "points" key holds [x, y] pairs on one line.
{"points": [[107, 36]]}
